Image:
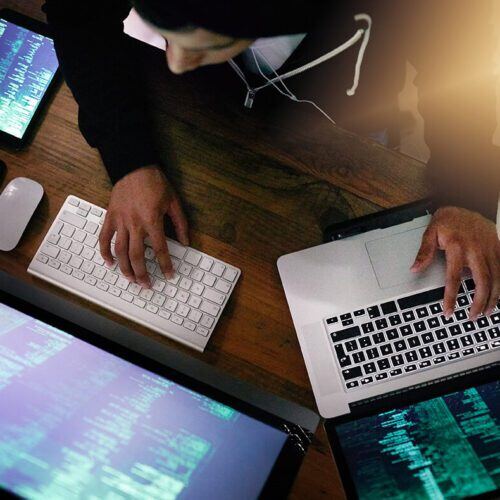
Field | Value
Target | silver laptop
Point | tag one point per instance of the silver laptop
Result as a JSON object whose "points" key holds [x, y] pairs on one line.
{"points": [[368, 326]]}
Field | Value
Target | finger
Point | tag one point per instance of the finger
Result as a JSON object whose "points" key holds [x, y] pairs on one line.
{"points": [[495, 286], [482, 279], [136, 256], [179, 221], [159, 243], [454, 266], [105, 237], [121, 250], [427, 250]]}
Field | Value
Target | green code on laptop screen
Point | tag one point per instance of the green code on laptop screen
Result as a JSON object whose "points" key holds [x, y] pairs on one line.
{"points": [[446, 447]]}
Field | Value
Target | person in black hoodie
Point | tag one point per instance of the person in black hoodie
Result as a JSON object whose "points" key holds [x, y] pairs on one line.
{"points": [[450, 43]]}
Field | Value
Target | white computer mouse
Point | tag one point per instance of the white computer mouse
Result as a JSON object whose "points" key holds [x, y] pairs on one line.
{"points": [[18, 202]]}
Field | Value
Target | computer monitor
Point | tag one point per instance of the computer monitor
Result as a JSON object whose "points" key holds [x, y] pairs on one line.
{"points": [[83, 417], [439, 442]]}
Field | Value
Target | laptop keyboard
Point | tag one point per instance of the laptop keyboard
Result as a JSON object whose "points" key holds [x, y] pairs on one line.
{"points": [[407, 335]]}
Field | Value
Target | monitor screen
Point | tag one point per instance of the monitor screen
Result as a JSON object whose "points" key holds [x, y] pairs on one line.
{"points": [[79, 422], [28, 63], [446, 447]]}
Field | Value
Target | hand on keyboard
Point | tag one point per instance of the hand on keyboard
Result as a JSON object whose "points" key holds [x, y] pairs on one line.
{"points": [[139, 201], [469, 240]]}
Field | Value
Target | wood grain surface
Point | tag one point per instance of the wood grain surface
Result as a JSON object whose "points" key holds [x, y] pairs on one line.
{"points": [[253, 189]]}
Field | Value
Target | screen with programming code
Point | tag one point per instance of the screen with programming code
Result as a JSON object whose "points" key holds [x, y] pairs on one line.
{"points": [[79, 422], [28, 63], [446, 447]]}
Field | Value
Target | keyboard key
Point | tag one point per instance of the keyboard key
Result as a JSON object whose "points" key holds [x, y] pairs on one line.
{"points": [[419, 326], [209, 279], [331, 321], [455, 329], [397, 360], [176, 319], [102, 286], [176, 250], [189, 325], [427, 338], [194, 301], [421, 298], [158, 285], [50, 250], [214, 296], [395, 320], [367, 327], [90, 280], [158, 299], [460, 315], [408, 316], [483, 322], [392, 334], [345, 334], [495, 318], [42, 258], [413, 341], [425, 352], [441, 334], [436, 308], [466, 340], [369, 368], [383, 364], [99, 273], [411, 356], [206, 263], [470, 285], [80, 236], [469, 326], [372, 353], [410, 368], [351, 373], [439, 348], [64, 257], [133, 288], [378, 338], [218, 269], [73, 219], [405, 330], [439, 360], [351, 345], [468, 352], [481, 348], [424, 364], [494, 333], [365, 342], [182, 296], [193, 257], [389, 307], [453, 344], [66, 269], [202, 330], [185, 283], [197, 275], [359, 312], [422, 312], [345, 316], [222, 286], [194, 315], [463, 301], [207, 321], [386, 349], [396, 372], [453, 355], [113, 290], [182, 310], [381, 376], [127, 297], [110, 277], [400, 345], [381, 323], [230, 274], [432, 323], [352, 384], [367, 380], [358, 357], [373, 312], [480, 337], [164, 314], [209, 308]]}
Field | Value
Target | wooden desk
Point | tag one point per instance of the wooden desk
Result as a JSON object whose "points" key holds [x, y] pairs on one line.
{"points": [[251, 194]]}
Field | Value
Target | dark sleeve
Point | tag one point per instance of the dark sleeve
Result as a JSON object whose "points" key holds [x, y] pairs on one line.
{"points": [[454, 58], [97, 61]]}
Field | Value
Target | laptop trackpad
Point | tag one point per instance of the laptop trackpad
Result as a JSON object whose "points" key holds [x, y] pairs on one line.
{"points": [[392, 256]]}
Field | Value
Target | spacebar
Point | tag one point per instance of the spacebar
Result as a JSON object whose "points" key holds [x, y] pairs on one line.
{"points": [[421, 298]]}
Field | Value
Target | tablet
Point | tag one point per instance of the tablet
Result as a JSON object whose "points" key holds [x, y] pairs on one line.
{"points": [[29, 72], [83, 417]]}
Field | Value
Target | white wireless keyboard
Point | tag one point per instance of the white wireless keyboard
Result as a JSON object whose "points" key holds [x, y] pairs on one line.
{"points": [[185, 308]]}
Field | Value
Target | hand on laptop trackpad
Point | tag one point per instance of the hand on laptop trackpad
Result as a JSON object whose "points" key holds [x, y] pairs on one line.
{"points": [[392, 256]]}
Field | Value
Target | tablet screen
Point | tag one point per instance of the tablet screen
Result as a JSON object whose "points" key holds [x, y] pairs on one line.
{"points": [[28, 64], [77, 421], [445, 447]]}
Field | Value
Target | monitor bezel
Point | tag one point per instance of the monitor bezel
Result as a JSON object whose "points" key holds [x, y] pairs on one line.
{"points": [[400, 399], [288, 462], [40, 28]]}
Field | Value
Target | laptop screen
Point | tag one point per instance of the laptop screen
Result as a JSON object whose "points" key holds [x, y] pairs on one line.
{"points": [[28, 62], [445, 447], [77, 421]]}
